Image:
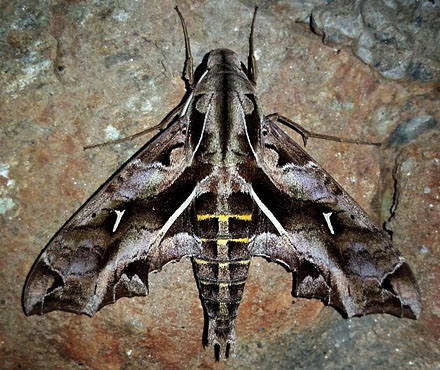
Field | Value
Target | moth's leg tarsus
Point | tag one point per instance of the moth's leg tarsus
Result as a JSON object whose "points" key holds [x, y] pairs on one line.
{"points": [[275, 117], [252, 64], [188, 71], [169, 118]]}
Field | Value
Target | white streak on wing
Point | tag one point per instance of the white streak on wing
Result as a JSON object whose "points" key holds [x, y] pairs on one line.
{"points": [[119, 215], [268, 213], [161, 233], [262, 255], [203, 76], [185, 107], [281, 262], [247, 135], [329, 224], [201, 137]]}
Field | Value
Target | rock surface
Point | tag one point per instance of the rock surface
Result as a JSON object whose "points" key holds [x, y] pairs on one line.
{"points": [[75, 73], [399, 39]]}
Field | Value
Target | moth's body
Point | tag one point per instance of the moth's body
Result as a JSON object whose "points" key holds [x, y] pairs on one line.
{"points": [[223, 209], [221, 184]]}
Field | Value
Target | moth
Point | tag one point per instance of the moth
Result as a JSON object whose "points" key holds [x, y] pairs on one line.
{"points": [[221, 184]]}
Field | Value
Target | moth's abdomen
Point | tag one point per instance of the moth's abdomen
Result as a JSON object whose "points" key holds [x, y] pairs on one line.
{"points": [[221, 271]]}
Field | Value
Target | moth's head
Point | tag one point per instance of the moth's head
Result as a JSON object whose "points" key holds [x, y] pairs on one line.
{"points": [[223, 59]]}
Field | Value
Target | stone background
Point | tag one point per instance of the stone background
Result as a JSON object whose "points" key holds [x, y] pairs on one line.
{"points": [[79, 72]]}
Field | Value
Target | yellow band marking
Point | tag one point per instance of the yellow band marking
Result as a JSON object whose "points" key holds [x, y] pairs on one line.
{"points": [[223, 218], [222, 264], [222, 285], [242, 262], [201, 262], [225, 241]]}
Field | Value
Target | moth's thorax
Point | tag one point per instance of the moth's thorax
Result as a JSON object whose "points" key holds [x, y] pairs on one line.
{"points": [[224, 97], [224, 141], [223, 57], [224, 73]]}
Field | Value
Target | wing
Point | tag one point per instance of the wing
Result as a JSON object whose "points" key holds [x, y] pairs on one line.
{"points": [[134, 224], [313, 226]]}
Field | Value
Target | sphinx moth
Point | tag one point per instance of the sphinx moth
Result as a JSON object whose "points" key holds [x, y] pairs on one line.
{"points": [[221, 184]]}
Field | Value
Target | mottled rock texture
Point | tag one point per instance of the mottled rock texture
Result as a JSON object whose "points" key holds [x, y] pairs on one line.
{"points": [[76, 72], [399, 39]]}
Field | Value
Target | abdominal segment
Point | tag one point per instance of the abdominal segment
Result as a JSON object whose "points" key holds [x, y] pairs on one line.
{"points": [[222, 268]]}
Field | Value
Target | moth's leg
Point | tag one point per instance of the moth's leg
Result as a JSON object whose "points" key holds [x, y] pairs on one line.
{"points": [[188, 71], [252, 64], [275, 117], [169, 118]]}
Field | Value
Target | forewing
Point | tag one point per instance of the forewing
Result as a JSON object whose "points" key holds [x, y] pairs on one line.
{"points": [[313, 226], [134, 224]]}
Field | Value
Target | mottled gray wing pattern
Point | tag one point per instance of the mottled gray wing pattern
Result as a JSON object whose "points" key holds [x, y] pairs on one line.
{"points": [[314, 227], [134, 224]]}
